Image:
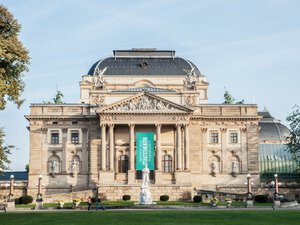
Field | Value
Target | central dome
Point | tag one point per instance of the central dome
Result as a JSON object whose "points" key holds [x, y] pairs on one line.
{"points": [[145, 62]]}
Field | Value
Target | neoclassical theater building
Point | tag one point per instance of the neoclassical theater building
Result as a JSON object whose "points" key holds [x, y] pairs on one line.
{"points": [[92, 145]]}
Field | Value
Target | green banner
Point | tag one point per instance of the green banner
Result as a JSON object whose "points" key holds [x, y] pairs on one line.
{"points": [[144, 150]]}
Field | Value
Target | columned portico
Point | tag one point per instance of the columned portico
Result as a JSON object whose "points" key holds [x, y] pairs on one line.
{"points": [[111, 147], [186, 147], [103, 147], [158, 147], [178, 147]]}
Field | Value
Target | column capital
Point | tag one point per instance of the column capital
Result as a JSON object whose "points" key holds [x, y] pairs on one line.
{"points": [[204, 129], [158, 124], [103, 124], [131, 125], [111, 125]]}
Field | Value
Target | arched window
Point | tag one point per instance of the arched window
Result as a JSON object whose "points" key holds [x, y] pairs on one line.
{"points": [[123, 164], [167, 164]]}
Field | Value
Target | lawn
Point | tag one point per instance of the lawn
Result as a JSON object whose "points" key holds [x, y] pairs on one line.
{"points": [[152, 217]]}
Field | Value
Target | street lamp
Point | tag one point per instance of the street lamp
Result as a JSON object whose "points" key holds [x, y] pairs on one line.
{"points": [[272, 185], [249, 192], [39, 194], [5, 206], [276, 195], [11, 189]]}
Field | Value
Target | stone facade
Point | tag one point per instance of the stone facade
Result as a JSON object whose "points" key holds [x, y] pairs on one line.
{"points": [[90, 145]]}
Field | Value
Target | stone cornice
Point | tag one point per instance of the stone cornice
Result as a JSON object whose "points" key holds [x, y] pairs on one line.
{"points": [[60, 117]]}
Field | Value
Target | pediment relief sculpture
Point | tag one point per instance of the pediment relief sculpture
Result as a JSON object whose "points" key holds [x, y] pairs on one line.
{"points": [[144, 103]]}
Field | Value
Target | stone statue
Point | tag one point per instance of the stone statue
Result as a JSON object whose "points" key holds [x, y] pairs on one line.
{"points": [[235, 167], [190, 82], [74, 166], [214, 168], [145, 195], [100, 81], [145, 176], [53, 166]]}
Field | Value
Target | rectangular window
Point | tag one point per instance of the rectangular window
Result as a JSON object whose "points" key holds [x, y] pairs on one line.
{"points": [[74, 137], [233, 138], [54, 138], [214, 137]]}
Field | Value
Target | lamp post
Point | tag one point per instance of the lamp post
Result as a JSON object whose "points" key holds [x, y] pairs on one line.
{"points": [[272, 185], [5, 206], [276, 196], [39, 194], [11, 189], [249, 197]]}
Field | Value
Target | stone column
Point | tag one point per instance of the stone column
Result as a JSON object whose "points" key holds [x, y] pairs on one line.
{"points": [[179, 147], [186, 147], [111, 147], [223, 151], [85, 153], [103, 147], [243, 142], [158, 145], [65, 163], [131, 172], [131, 146], [204, 151]]}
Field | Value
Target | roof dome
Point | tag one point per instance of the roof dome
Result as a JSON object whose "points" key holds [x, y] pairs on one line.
{"points": [[144, 62], [271, 128]]}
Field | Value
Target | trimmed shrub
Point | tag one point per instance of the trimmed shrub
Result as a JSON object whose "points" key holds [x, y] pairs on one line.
{"points": [[164, 198], [93, 199], [25, 199], [261, 198], [126, 197], [197, 198]]}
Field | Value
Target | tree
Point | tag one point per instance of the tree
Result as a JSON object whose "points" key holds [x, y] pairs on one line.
{"points": [[4, 152], [294, 138], [14, 59]]}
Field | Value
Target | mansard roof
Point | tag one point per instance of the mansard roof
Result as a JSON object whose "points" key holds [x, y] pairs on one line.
{"points": [[144, 62]]}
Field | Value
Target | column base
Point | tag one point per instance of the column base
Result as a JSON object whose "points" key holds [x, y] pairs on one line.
{"points": [[106, 177], [131, 177]]}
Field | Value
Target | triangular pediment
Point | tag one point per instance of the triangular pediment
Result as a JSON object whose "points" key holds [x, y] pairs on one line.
{"points": [[144, 102]]}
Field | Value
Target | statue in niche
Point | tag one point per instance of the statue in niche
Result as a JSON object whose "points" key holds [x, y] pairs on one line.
{"points": [[214, 168], [235, 168], [74, 166], [53, 166]]}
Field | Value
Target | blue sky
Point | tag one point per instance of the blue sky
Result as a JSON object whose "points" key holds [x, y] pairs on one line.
{"points": [[249, 47]]}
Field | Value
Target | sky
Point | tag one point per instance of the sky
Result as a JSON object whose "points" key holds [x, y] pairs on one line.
{"points": [[250, 47]]}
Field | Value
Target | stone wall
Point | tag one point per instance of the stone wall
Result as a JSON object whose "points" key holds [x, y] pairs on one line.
{"points": [[116, 192]]}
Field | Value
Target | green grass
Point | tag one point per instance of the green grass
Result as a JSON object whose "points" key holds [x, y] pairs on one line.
{"points": [[153, 217], [131, 203]]}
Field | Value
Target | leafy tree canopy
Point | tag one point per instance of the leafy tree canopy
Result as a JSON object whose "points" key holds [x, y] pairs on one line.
{"points": [[294, 138], [14, 59]]}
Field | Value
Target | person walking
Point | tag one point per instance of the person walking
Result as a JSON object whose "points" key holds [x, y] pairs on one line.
{"points": [[89, 201]]}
